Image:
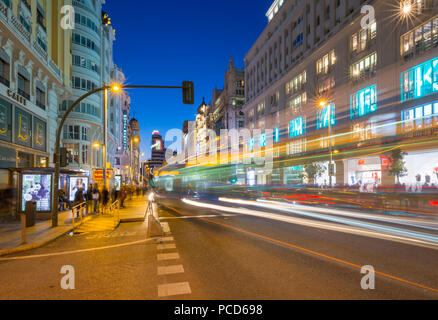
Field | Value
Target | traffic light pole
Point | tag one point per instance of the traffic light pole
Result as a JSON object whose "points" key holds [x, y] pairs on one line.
{"points": [[188, 97]]}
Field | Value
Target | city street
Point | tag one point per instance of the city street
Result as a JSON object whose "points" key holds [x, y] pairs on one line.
{"points": [[213, 254]]}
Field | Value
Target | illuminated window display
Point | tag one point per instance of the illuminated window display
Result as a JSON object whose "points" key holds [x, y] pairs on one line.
{"points": [[296, 127], [420, 117], [324, 115], [365, 173], [363, 102], [420, 81], [422, 170]]}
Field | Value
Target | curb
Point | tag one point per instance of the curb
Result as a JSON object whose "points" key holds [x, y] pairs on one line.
{"points": [[31, 246]]}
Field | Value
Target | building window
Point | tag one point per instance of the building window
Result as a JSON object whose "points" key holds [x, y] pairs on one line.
{"points": [[85, 154], [420, 117], [71, 133], [363, 67], [296, 103], [296, 127], [296, 84], [41, 99], [360, 40], [4, 73], [422, 38], [323, 116], [23, 87], [363, 102], [420, 81], [323, 65], [261, 109], [84, 133], [325, 86]]}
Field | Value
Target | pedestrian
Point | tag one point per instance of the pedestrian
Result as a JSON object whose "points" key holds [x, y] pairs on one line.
{"points": [[89, 197], [105, 199], [96, 197], [123, 196], [79, 200]]}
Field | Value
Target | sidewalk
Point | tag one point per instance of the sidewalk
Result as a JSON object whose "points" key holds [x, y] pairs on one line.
{"points": [[43, 233], [135, 209]]}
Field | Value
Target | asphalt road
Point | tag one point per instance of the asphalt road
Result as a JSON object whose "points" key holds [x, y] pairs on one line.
{"points": [[214, 253]]}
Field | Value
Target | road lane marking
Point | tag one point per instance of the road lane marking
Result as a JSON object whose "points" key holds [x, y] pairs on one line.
{"points": [[167, 270], [166, 246], [167, 256], [77, 251], [203, 216], [322, 255], [167, 239], [173, 289], [165, 227]]}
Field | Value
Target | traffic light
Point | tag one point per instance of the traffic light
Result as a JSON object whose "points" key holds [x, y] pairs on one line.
{"points": [[64, 157], [188, 92]]}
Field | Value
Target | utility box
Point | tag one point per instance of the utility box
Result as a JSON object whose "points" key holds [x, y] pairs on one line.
{"points": [[31, 208]]}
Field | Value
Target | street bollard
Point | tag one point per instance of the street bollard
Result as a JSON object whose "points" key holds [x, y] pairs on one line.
{"points": [[23, 228]]}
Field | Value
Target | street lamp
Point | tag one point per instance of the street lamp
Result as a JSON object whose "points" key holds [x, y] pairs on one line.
{"points": [[136, 140], [188, 98], [324, 104]]}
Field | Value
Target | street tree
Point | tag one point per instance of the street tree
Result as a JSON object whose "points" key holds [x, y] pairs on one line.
{"points": [[398, 165], [313, 171]]}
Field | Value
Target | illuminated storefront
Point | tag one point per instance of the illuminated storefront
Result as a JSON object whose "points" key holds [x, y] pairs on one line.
{"points": [[365, 173], [296, 127], [363, 102], [422, 170]]}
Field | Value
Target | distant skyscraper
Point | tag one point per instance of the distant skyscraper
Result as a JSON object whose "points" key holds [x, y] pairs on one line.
{"points": [[158, 151]]}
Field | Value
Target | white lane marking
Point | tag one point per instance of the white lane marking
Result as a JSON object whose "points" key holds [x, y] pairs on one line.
{"points": [[76, 251], [162, 271], [198, 217], [173, 289], [167, 256], [165, 227], [166, 246], [167, 239]]}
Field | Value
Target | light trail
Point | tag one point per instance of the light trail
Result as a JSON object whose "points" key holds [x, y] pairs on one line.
{"points": [[317, 224], [355, 223]]}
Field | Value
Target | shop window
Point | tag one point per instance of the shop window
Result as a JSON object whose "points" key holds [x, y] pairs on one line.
{"points": [[363, 102], [420, 117], [25, 160]]}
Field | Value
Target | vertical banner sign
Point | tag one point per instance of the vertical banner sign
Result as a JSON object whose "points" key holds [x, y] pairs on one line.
{"points": [[5, 121], [23, 128], [39, 129]]}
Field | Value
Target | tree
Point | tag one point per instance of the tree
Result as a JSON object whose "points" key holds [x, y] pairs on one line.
{"points": [[313, 171], [398, 165]]}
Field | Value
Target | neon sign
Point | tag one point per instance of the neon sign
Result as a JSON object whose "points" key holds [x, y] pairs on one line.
{"points": [[420, 81], [296, 127], [277, 135], [263, 140]]}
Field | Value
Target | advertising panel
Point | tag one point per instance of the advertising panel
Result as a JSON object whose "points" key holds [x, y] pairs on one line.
{"points": [[77, 183], [37, 187], [118, 183]]}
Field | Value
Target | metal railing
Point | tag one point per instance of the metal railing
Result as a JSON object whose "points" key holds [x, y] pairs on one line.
{"points": [[79, 210], [115, 210]]}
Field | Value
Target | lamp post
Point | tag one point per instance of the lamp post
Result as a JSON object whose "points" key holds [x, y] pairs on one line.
{"points": [[188, 98]]}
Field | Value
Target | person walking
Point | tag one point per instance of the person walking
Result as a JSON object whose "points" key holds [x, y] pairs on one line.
{"points": [[96, 197], [89, 197], [105, 199], [79, 200]]}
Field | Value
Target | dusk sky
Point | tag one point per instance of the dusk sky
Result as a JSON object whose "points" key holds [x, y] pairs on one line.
{"points": [[167, 42]]}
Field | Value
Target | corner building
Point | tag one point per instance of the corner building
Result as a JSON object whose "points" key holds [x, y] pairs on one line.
{"points": [[315, 66]]}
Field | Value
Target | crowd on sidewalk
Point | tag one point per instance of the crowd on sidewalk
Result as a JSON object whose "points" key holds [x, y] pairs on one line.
{"points": [[98, 200]]}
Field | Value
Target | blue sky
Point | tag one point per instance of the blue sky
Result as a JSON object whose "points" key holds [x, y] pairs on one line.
{"points": [[166, 42]]}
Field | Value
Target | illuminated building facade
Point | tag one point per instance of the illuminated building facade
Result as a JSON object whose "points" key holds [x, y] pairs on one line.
{"points": [[315, 68], [35, 73]]}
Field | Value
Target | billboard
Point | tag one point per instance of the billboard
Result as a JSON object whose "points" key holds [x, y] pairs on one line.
{"points": [[77, 183], [118, 183], [37, 187]]}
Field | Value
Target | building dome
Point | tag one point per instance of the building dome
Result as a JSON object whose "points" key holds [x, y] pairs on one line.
{"points": [[133, 123]]}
